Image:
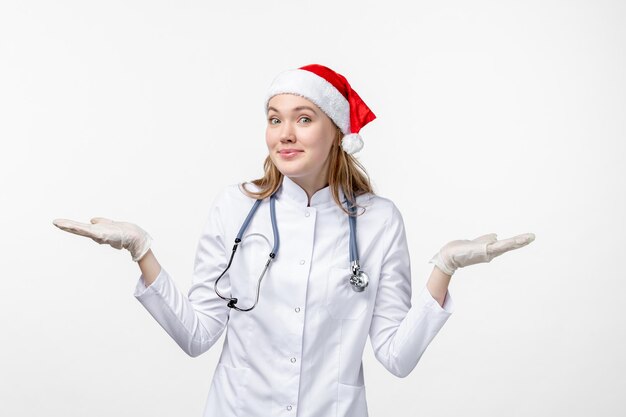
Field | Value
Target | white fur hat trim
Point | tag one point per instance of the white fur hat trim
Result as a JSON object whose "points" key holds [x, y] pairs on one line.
{"points": [[316, 89]]}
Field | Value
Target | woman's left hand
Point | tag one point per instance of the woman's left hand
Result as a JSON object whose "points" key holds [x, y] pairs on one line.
{"points": [[460, 253]]}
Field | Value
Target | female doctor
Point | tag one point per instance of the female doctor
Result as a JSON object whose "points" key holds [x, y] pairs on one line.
{"points": [[300, 266]]}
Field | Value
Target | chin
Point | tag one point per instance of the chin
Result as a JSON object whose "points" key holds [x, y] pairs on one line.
{"points": [[290, 172], [289, 169]]}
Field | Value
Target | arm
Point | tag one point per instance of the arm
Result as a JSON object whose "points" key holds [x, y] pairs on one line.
{"points": [[437, 284], [195, 321], [150, 268], [401, 332]]}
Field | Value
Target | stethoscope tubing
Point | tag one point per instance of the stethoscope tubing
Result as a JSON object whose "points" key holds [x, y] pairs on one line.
{"points": [[358, 280]]}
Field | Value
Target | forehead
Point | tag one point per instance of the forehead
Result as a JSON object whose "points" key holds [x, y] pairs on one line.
{"points": [[288, 101]]}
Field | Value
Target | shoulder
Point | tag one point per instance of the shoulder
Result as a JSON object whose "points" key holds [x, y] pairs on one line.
{"points": [[381, 218], [229, 201], [379, 206], [234, 193], [229, 205]]}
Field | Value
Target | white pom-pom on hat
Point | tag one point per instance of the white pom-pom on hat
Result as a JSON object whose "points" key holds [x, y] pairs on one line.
{"points": [[332, 93], [352, 143]]}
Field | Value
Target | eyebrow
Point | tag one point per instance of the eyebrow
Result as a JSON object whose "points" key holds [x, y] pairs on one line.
{"points": [[294, 109]]}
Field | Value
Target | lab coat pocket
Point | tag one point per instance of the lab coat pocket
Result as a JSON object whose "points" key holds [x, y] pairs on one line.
{"points": [[228, 391], [351, 401], [341, 300]]}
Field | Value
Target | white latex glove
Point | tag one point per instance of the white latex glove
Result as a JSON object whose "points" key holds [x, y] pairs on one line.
{"points": [[460, 253], [117, 234]]}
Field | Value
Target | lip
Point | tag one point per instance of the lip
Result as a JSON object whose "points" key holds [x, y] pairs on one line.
{"points": [[289, 153]]}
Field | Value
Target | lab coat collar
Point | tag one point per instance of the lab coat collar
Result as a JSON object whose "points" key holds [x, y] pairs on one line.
{"points": [[296, 194]]}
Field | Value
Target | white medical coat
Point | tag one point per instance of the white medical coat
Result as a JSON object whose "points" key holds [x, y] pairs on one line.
{"points": [[299, 351]]}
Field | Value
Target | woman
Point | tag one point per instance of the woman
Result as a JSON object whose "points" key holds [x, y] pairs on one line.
{"points": [[296, 332]]}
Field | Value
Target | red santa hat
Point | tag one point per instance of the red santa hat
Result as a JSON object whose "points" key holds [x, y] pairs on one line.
{"points": [[332, 93]]}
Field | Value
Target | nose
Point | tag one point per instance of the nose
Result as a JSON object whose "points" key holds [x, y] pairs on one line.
{"points": [[287, 133]]}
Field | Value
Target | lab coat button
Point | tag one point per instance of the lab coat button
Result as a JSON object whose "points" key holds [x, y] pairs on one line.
{"points": [[288, 408], [297, 309], [293, 360], [307, 214], [301, 261]]}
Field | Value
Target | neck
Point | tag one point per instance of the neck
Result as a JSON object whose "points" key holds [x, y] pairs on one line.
{"points": [[311, 185]]}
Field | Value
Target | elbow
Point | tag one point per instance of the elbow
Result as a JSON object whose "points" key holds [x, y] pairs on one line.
{"points": [[196, 347], [399, 367], [201, 342], [194, 353], [400, 372], [403, 374]]}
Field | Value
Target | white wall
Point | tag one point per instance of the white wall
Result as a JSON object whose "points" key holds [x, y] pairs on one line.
{"points": [[493, 116]]}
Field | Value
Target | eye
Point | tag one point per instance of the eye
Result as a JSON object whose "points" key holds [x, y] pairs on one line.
{"points": [[271, 120], [307, 119]]}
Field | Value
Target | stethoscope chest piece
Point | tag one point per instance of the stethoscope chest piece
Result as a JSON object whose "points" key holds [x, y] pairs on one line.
{"points": [[359, 281]]}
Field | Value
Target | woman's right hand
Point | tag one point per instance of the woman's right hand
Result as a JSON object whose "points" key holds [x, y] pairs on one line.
{"points": [[117, 234]]}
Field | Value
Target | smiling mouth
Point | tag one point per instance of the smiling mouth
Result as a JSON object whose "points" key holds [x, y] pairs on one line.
{"points": [[289, 154]]}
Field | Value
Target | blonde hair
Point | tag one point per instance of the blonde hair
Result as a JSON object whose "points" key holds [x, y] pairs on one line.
{"points": [[343, 170]]}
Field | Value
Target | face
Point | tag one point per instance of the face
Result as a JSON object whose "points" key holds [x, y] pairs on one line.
{"points": [[299, 137]]}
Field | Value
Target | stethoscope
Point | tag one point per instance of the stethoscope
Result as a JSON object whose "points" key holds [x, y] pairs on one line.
{"points": [[358, 280]]}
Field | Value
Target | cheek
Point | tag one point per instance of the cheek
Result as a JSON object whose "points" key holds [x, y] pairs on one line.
{"points": [[269, 139], [321, 139], [329, 136], [272, 142]]}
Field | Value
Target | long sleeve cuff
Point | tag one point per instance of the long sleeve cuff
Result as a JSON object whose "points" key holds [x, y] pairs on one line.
{"points": [[157, 285], [427, 299]]}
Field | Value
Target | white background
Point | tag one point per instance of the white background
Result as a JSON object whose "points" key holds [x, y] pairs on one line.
{"points": [[493, 116]]}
